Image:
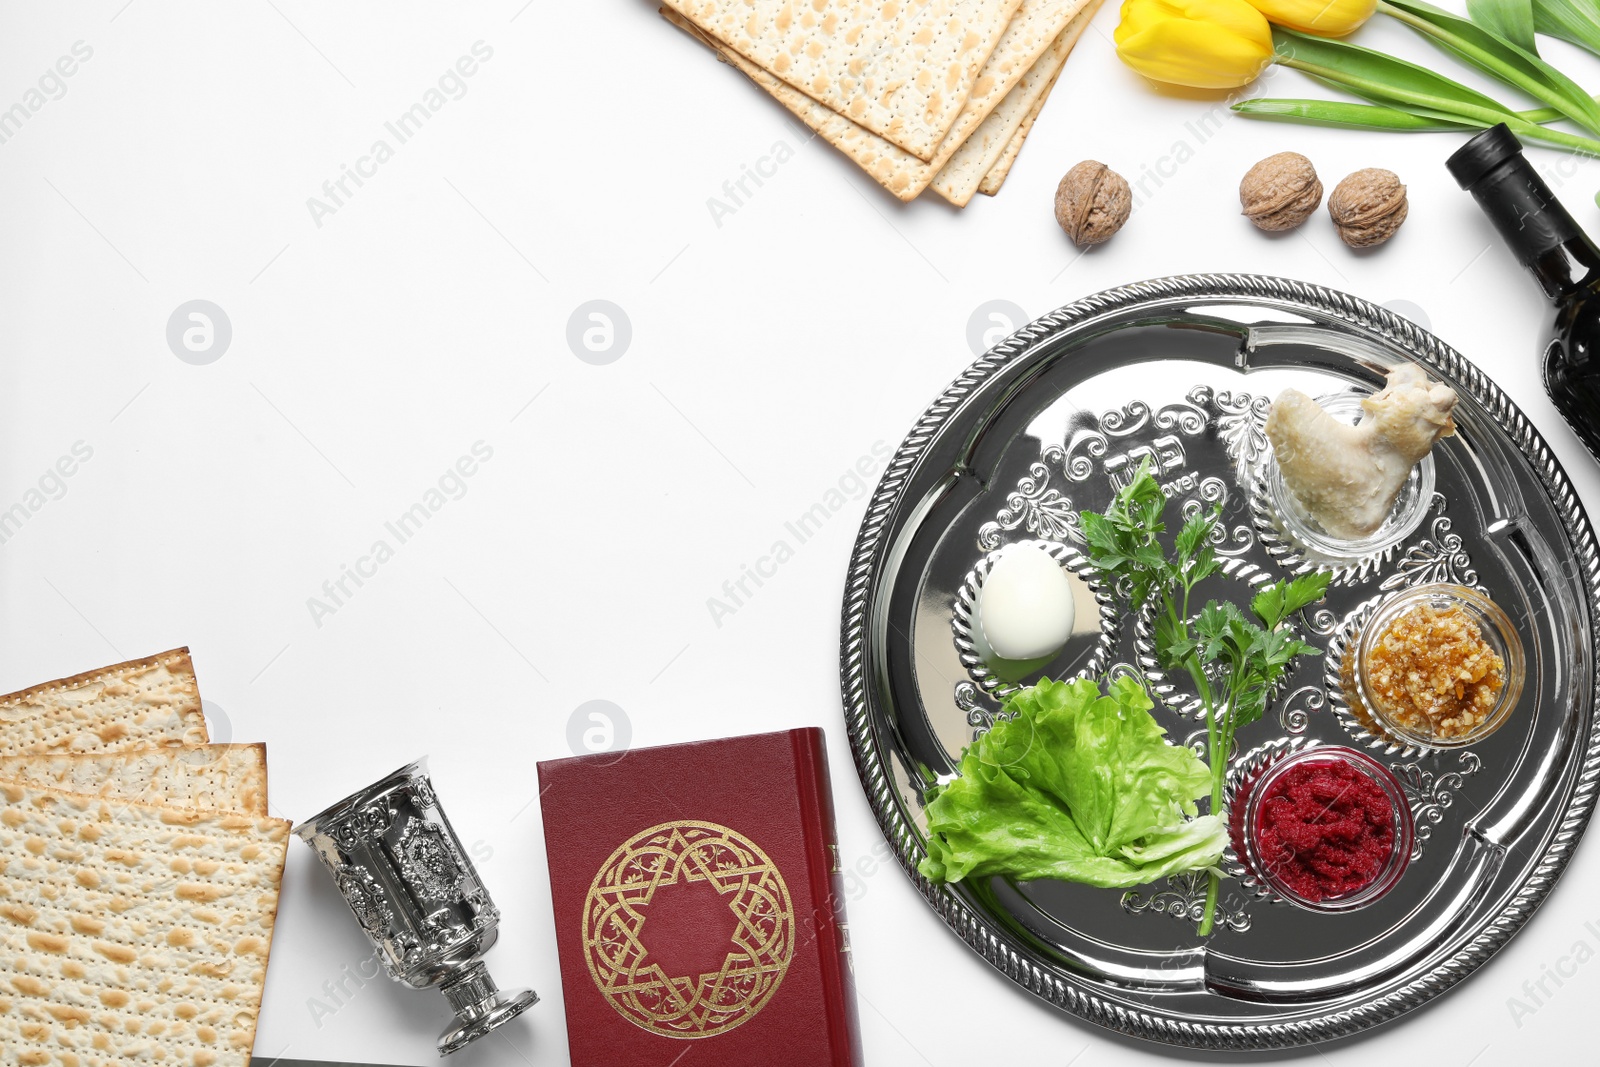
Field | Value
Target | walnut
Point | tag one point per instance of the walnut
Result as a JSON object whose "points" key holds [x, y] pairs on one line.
{"points": [[1368, 207], [1092, 202], [1280, 192]]}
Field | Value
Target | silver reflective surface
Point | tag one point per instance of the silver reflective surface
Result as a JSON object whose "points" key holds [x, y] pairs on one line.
{"points": [[410, 885], [1180, 372]]}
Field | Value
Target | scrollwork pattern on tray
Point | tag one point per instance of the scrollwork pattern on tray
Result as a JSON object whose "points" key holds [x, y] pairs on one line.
{"points": [[1088, 443], [1077, 459], [1431, 793], [1037, 507], [1241, 418], [1295, 717], [1440, 558], [1129, 419], [1231, 542], [1186, 900], [1213, 490], [1322, 621], [1122, 669], [1225, 540], [1183, 417], [967, 699]]}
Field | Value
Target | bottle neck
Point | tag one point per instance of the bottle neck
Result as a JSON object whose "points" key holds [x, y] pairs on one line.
{"points": [[1532, 221]]}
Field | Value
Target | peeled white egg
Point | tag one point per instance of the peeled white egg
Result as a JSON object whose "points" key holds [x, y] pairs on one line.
{"points": [[1025, 608]]}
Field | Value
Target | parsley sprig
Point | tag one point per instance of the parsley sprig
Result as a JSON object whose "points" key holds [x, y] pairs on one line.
{"points": [[1233, 661]]}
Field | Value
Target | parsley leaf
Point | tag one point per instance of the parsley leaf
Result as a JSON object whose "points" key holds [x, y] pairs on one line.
{"points": [[1233, 661], [1276, 602]]}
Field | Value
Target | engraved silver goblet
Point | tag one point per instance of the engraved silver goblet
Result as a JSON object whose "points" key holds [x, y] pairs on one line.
{"points": [[400, 867]]}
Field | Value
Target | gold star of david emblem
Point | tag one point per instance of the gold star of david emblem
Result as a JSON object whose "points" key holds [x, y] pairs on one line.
{"points": [[709, 972]]}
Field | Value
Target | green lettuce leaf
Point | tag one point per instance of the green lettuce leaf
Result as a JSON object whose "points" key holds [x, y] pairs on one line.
{"points": [[1075, 785]]}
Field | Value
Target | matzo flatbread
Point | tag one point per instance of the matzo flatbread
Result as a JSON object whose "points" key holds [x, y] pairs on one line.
{"points": [[200, 777], [998, 173], [142, 702], [1032, 50], [132, 934], [961, 176], [1032, 47], [903, 69]]}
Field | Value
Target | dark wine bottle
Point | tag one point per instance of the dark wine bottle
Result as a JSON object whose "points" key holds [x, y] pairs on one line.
{"points": [[1561, 258]]}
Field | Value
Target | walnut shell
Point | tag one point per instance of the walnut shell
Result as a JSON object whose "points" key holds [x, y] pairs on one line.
{"points": [[1092, 202], [1280, 192], [1368, 207]]}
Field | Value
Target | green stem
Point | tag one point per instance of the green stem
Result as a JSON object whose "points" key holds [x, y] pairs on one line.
{"points": [[1426, 101], [1213, 889], [1586, 146], [1202, 686], [1213, 734], [1219, 763], [1471, 114], [1367, 116], [1532, 86]]}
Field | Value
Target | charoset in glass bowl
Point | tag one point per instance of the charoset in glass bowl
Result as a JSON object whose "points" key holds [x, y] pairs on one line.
{"points": [[1439, 665]]}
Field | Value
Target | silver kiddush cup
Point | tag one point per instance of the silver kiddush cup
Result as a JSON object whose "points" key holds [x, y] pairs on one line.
{"points": [[412, 888]]}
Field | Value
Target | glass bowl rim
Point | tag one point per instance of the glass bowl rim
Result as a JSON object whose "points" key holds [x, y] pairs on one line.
{"points": [[1404, 828], [1297, 522], [1490, 616]]}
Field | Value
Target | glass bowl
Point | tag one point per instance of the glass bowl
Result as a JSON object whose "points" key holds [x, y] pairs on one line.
{"points": [[1498, 632], [1410, 507], [1400, 846]]}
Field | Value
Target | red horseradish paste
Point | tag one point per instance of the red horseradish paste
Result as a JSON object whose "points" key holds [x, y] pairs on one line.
{"points": [[1324, 829]]}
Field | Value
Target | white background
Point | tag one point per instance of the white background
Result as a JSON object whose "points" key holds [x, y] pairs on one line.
{"points": [[429, 312]]}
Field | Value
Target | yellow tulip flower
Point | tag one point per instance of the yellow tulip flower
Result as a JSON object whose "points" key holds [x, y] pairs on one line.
{"points": [[1324, 18], [1208, 44]]}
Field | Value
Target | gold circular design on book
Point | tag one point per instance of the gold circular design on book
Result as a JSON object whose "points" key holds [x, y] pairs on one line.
{"points": [[758, 954]]}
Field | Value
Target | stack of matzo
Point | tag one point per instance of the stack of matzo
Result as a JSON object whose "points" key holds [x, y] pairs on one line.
{"points": [[138, 874], [920, 94]]}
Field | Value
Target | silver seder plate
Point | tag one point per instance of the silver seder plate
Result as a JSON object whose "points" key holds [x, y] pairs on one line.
{"points": [[1180, 371]]}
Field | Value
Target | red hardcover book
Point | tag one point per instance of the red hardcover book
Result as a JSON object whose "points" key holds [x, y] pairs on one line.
{"points": [[699, 915]]}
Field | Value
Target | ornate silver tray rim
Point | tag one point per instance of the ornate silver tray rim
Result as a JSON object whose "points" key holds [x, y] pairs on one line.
{"points": [[870, 556]]}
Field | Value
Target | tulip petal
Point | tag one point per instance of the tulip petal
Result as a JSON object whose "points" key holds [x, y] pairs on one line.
{"points": [[1324, 18], [1199, 54]]}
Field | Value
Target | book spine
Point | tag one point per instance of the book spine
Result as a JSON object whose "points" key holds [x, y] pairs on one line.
{"points": [[827, 925]]}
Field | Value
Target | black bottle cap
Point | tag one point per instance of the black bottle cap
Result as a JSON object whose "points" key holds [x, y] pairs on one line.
{"points": [[1483, 153]]}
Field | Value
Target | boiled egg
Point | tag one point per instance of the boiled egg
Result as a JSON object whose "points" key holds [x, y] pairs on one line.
{"points": [[1025, 605]]}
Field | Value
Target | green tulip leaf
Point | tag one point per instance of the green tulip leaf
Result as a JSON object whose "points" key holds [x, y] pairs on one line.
{"points": [[1343, 113], [1511, 19], [1577, 21], [1381, 77], [1395, 83], [1499, 58]]}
